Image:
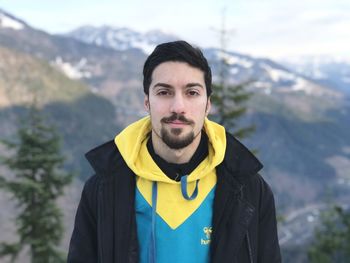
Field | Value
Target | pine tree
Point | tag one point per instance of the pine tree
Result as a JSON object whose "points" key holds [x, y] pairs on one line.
{"points": [[229, 100], [332, 239], [37, 182]]}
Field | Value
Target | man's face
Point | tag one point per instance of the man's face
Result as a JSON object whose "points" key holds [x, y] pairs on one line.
{"points": [[177, 103]]}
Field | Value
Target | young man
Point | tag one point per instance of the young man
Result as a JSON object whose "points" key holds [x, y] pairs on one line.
{"points": [[174, 186]]}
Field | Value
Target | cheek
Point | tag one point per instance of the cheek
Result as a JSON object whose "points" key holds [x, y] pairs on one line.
{"points": [[156, 111]]}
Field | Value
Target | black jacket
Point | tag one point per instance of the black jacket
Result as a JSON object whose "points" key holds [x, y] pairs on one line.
{"points": [[244, 220]]}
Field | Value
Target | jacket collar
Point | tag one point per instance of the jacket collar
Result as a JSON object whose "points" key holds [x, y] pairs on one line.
{"points": [[232, 211], [104, 158], [239, 162]]}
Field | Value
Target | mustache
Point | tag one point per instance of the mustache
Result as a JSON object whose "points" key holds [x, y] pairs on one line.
{"points": [[178, 117]]}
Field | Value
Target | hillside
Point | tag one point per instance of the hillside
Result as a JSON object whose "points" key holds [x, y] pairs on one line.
{"points": [[21, 76], [90, 90], [104, 70], [287, 107], [69, 104], [327, 70]]}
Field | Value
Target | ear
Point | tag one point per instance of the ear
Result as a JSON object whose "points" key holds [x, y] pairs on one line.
{"points": [[208, 107], [146, 103]]}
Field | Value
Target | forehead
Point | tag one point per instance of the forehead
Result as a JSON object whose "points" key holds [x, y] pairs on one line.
{"points": [[171, 71]]}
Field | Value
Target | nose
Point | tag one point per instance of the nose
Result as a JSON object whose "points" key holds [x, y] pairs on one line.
{"points": [[178, 104]]}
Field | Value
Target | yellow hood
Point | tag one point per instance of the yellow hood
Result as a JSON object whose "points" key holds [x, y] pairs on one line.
{"points": [[132, 144]]}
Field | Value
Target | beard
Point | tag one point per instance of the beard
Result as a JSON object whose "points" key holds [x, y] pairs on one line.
{"points": [[173, 141], [172, 138]]}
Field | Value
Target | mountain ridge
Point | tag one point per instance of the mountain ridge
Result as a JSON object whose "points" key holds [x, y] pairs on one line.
{"points": [[120, 38], [302, 125]]}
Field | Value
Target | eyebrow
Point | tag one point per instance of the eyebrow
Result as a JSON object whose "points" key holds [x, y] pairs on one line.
{"points": [[188, 85]]}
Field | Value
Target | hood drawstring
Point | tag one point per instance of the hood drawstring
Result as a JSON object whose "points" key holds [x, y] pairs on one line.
{"points": [[152, 252], [184, 189]]}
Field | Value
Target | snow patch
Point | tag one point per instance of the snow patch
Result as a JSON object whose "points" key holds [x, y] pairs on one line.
{"points": [[235, 60], [310, 88], [6, 21], [317, 74], [72, 71], [303, 85], [278, 74], [299, 83], [122, 38], [234, 71], [147, 48]]}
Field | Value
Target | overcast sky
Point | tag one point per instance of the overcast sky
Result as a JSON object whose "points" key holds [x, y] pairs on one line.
{"points": [[269, 28]]}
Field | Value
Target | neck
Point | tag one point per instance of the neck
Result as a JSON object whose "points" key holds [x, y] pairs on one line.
{"points": [[178, 156]]}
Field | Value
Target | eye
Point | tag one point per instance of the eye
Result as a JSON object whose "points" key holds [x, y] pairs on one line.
{"points": [[193, 93], [163, 93]]}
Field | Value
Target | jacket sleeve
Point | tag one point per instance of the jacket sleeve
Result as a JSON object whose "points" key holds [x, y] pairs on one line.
{"points": [[83, 243], [268, 246]]}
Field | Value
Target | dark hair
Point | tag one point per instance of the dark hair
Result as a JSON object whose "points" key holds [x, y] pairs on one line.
{"points": [[179, 51]]}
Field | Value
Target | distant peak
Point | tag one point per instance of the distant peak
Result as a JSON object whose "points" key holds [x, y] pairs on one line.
{"points": [[9, 21], [121, 38]]}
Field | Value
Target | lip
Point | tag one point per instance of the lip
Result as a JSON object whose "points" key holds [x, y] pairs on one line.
{"points": [[176, 123]]}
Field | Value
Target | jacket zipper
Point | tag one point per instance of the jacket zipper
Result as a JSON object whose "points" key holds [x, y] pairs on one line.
{"points": [[249, 248]]}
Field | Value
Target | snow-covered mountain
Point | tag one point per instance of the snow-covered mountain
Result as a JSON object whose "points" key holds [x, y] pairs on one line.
{"points": [[121, 38], [330, 71], [301, 125], [267, 75], [9, 21]]}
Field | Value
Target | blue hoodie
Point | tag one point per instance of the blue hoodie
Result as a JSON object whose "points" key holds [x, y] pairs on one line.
{"points": [[174, 219]]}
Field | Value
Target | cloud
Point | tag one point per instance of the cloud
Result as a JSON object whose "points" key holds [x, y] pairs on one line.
{"points": [[263, 27], [324, 17]]}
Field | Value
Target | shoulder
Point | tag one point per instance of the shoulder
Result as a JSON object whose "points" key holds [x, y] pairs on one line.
{"points": [[104, 157], [107, 163], [91, 185], [239, 161], [90, 193], [257, 186], [110, 168], [244, 168]]}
